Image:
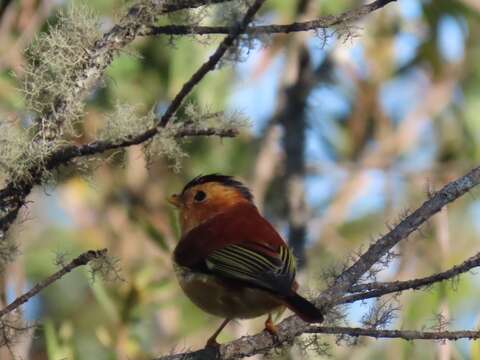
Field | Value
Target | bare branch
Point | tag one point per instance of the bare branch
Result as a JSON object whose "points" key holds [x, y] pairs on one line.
{"points": [[323, 22], [210, 64], [377, 289], [395, 334], [81, 260]]}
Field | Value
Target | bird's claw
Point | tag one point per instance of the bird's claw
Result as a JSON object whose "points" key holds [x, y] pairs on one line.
{"points": [[272, 329]]}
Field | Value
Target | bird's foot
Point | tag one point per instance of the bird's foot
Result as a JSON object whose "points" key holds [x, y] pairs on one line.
{"points": [[271, 329]]}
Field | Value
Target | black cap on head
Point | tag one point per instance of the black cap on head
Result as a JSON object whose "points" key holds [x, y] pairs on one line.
{"points": [[225, 180]]}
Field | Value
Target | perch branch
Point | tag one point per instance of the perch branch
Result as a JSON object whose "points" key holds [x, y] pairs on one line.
{"points": [[263, 343]]}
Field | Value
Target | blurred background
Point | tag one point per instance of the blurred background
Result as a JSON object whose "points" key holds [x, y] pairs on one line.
{"points": [[349, 129]]}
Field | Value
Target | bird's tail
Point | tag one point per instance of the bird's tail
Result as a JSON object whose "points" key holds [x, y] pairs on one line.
{"points": [[303, 308]]}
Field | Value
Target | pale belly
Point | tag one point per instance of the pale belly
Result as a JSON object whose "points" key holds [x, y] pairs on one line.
{"points": [[214, 297]]}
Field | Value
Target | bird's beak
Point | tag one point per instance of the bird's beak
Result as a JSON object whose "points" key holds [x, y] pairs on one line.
{"points": [[174, 200]]}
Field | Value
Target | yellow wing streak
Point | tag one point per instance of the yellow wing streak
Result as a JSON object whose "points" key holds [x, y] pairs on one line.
{"points": [[241, 263]]}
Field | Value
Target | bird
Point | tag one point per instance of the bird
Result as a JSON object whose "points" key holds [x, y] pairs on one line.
{"points": [[230, 261]]}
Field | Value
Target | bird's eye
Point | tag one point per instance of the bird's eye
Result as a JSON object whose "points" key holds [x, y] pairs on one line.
{"points": [[200, 196]]}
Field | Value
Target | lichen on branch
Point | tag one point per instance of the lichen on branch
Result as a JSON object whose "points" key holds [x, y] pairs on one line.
{"points": [[55, 63]]}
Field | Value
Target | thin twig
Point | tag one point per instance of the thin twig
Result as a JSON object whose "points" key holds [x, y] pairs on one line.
{"points": [[395, 334], [81, 260], [377, 289], [210, 64], [193, 132], [177, 5], [323, 22]]}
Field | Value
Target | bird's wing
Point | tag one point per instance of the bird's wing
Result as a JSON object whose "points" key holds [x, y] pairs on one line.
{"points": [[239, 245], [239, 262]]}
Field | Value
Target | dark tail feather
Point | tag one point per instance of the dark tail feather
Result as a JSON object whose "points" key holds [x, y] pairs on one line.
{"points": [[303, 308]]}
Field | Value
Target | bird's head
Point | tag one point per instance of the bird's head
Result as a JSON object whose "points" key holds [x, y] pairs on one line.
{"points": [[206, 196]]}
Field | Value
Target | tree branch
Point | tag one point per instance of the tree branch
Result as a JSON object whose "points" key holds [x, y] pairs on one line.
{"points": [[177, 5], [81, 260], [210, 64], [323, 22], [377, 289], [222, 133], [395, 334]]}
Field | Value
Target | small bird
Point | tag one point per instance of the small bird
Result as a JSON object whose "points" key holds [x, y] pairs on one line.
{"points": [[230, 261]]}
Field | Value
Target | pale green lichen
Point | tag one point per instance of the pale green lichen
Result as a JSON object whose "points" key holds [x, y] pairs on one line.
{"points": [[107, 267], [13, 142], [203, 117], [55, 65], [194, 118], [125, 121], [50, 84], [20, 153], [166, 145]]}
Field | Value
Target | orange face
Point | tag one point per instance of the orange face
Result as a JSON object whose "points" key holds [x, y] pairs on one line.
{"points": [[201, 202]]}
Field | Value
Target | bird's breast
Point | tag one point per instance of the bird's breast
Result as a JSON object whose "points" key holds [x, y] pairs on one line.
{"points": [[217, 297]]}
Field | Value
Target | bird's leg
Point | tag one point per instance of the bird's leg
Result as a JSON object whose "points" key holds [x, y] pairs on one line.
{"points": [[270, 326], [212, 342]]}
